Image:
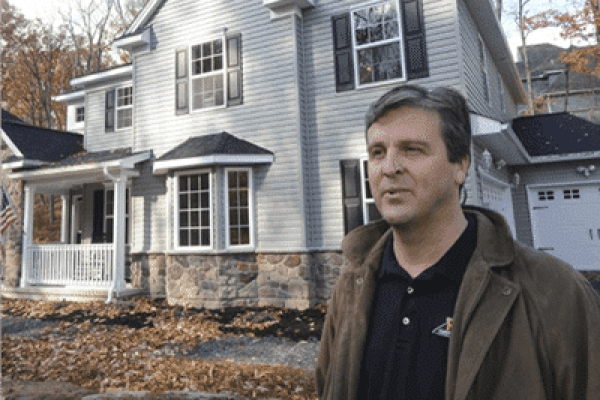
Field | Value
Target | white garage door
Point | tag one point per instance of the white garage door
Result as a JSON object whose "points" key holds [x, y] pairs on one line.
{"points": [[566, 223]]}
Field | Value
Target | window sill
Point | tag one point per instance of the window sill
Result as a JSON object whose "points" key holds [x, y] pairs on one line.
{"points": [[211, 251]]}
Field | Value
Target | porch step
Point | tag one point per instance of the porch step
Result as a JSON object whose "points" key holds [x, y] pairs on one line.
{"points": [[57, 293]]}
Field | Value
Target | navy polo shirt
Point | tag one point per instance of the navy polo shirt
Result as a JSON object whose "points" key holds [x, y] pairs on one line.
{"points": [[404, 358]]}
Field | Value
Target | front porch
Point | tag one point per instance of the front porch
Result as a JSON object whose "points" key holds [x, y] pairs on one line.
{"points": [[89, 263]]}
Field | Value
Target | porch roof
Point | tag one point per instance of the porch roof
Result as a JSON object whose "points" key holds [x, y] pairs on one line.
{"points": [[221, 148], [82, 167]]}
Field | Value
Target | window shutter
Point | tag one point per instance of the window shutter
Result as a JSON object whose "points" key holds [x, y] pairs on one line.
{"points": [[351, 194], [181, 81], [342, 52], [415, 46], [234, 70], [109, 109]]}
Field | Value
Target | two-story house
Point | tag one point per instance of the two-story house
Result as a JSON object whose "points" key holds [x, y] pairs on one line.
{"points": [[224, 165]]}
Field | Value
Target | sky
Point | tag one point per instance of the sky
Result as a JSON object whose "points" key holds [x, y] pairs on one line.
{"points": [[47, 10]]}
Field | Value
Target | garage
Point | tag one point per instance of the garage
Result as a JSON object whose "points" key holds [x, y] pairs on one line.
{"points": [[566, 222]]}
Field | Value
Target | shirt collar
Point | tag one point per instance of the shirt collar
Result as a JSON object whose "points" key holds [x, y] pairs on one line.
{"points": [[452, 265]]}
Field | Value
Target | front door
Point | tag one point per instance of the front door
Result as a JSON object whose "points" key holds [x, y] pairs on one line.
{"points": [[98, 227]]}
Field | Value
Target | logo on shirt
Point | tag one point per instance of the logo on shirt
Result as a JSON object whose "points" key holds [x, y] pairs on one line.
{"points": [[445, 329]]}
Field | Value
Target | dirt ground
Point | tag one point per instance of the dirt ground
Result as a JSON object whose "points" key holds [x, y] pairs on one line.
{"points": [[122, 347]]}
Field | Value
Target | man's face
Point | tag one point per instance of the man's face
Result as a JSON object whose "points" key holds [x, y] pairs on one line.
{"points": [[426, 186]]}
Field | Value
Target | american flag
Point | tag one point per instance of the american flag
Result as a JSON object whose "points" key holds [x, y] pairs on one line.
{"points": [[7, 216]]}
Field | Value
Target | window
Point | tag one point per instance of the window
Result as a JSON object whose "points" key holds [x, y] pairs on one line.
{"points": [[109, 214], [193, 210], [377, 43], [370, 211], [546, 195], [123, 107], [238, 207], [215, 75], [80, 114], [571, 194]]}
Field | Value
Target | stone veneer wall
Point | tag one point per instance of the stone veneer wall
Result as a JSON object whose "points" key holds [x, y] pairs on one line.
{"points": [[297, 280], [147, 272], [13, 242]]}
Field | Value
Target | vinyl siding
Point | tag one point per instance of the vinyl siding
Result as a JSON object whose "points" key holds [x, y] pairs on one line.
{"points": [[269, 117], [336, 120], [96, 139]]}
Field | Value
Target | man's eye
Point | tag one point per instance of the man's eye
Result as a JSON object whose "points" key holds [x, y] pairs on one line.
{"points": [[376, 153], [414, 149]]}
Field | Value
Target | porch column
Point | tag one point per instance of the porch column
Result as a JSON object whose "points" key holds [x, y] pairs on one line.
{"points": [[64, 223], [27, 233], [119, 231]]}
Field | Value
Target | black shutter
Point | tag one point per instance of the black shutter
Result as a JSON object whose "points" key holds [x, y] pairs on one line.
{"points": [[415, 46], [342, 52], [234, 70], [351, 194], [98, 221], [109, 111], [181, 81]]}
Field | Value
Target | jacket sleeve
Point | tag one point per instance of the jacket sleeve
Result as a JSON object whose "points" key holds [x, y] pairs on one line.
{"points": [[327, 345], [574, 345]]}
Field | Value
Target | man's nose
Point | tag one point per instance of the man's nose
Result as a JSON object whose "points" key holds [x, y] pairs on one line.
{"points": [[393, 164]]}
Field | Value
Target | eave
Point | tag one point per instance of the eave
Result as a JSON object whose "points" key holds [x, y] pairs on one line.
{"points": [[134, 41], [123, 72], [70, 97], [163, 167]]}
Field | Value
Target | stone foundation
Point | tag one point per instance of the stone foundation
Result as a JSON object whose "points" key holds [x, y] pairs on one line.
{"points": [[147, 272], [297, 280]]}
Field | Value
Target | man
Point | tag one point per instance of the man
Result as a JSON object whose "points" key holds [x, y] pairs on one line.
{"points": [[437, 301]]}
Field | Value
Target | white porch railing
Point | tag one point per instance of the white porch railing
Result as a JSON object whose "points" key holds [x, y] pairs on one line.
{"points": [[73, 265]]}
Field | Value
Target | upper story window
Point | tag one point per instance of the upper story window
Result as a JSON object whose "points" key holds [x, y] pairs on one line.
{"points": [[379, 43], [119, 101], [80, 114], [209, 74]]}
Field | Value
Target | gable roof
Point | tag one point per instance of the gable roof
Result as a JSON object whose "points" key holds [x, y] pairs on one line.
{"points": [[221, 148], [33, 143], [557, 134]]}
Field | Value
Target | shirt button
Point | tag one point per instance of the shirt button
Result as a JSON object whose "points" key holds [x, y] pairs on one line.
{"points": [[410, 290], [405, 321]]}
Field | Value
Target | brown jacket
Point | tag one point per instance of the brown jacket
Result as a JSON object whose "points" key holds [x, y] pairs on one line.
{"points": [[526, 325]]}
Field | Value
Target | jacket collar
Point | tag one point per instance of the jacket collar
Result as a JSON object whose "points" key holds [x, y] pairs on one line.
{"points": [[365, 245]]}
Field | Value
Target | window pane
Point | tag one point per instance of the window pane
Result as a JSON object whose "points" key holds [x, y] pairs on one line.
{"points": [[184, 201], [218, 46], [232, 179], [206, 65], [233, 198], [391, 30], [389, 11], [183, 219], [204, 203], [196, 52], [206, 49], [183, 183], [109, 230], [234, 236], [376, 33], [243, 198], [194, 203], [205, 237], [204, 181], [184, 237], [375, 14], [243, 176], [195, 237], [244, 216], [233, 217], [194, 182], [218, 63], [219, 98], [195, 218], [124, 118], [196, 67], [245, 236], [205, 220]]}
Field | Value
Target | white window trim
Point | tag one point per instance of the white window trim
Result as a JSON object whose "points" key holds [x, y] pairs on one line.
{"points": [[111, 186], [176, 211], [228, 245], [363, 183], [400, 41], [117, 108], [223, 72]]}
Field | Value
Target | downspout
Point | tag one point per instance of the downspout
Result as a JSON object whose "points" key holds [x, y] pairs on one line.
{"points": [[111, 290]]}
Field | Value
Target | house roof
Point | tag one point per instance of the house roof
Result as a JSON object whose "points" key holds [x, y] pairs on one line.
{"points": [[557, 134], [29, 142], [84, 157], [221, 143]]}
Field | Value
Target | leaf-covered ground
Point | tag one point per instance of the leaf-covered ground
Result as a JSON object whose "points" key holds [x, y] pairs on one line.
{"points": [[142, 345]]}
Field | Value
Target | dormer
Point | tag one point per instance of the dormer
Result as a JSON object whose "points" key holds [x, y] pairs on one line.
{"points": [[75, 102]]}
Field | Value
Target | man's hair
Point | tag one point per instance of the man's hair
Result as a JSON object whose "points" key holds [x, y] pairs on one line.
{"points": [[448, 103]]}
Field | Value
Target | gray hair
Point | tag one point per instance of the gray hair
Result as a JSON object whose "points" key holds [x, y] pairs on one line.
{"points": [[448, 103]]}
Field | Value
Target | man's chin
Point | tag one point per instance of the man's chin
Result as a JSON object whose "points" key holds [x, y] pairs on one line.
{"points": [[396, 218]]}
